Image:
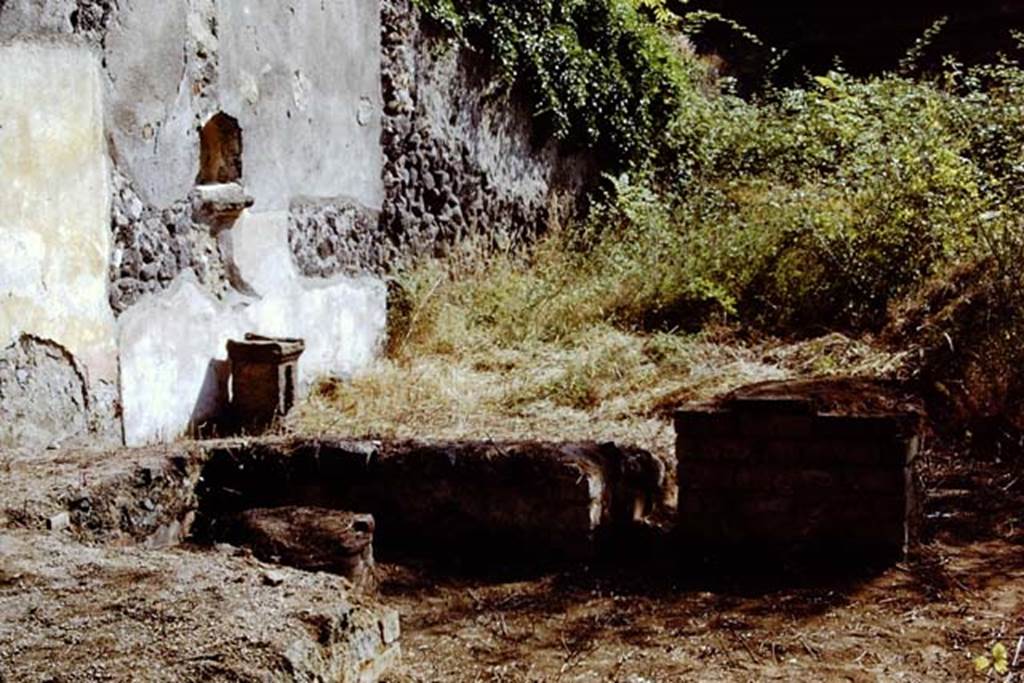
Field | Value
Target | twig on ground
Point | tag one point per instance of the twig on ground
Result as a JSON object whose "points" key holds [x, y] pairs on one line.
{"points": [[746, 646], [812, 651]]}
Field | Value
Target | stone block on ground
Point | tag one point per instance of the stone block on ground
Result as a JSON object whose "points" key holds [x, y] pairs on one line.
{"points": [[518, 501], [313, 539], [264, 380], [823, 465]]}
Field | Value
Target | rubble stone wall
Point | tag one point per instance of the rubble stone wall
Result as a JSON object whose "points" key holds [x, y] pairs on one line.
{"points": [[521, 501], [364, 140], [462, 159], [106, 101]]}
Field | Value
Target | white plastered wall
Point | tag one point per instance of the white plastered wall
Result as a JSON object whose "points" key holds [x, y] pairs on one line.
{"points": [[54, 202]]}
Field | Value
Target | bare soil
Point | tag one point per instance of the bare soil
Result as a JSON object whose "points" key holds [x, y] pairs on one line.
{"points": [[672, 618], [76, 609], [72, 612]]}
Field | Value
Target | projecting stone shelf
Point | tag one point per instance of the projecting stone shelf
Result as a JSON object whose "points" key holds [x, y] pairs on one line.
{"points": [[775, 471], [222, 203]]}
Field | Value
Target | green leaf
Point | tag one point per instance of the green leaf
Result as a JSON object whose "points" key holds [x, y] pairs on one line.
{"points": [[1001, 659], [827, 83]]}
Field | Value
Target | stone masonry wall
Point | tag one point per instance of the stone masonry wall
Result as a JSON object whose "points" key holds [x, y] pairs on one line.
{"points": [[774, 474], [154, 246], [164, 67], [519, 500], [364, 140], [459, 162], [300, 82], [155, 234]]}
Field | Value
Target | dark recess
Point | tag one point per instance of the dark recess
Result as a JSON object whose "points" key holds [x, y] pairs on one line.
{"points": [[220, 158], [867, 37]]}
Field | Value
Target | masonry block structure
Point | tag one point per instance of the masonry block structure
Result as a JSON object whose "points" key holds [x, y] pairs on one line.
{"points": [[774, 472]]}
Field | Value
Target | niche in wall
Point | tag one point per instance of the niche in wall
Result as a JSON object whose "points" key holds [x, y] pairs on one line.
{"points": [[220, 151]]}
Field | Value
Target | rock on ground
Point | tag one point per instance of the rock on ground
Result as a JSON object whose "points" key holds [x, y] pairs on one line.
{"points": [[313, 539]]}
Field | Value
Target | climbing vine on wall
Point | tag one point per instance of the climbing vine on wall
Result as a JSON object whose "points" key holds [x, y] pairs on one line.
{"points": [[600, 74]]}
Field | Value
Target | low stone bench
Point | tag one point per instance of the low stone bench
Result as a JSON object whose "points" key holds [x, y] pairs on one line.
{"points": [[511, 502], [775, 472]]}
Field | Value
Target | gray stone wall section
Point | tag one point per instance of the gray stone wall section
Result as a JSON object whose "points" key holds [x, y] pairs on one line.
{"points": [[311, 121], [461, 160], [44, 395], [303, 80], [339, 236], [153, 246], [88, 18], [521, 501], [150, 118]]}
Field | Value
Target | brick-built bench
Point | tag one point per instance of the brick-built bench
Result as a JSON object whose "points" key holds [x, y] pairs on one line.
{"points": [[774, 472]]}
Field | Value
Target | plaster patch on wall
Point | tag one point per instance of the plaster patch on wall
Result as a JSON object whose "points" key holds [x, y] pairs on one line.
{"points": [[172, 349], [55, 202], [299, 108], [153, 127]]}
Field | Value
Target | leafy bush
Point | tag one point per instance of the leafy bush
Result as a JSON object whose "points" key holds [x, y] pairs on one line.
{"points": [[600, 74], [808, 209]]}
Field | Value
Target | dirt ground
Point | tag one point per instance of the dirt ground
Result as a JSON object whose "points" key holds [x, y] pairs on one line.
{"points": [[663, 615], [76, 613], [655, 612], [671, 619]]}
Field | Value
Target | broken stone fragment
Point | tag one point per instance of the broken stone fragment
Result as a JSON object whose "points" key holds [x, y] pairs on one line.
{"points": [[273, 578], [222, 201], [59, 522]]}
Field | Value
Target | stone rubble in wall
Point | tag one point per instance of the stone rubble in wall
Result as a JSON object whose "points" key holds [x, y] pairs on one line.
{"points": [[437, 191], [332, 237], [89, 19], [437, 188], [43, 386], [151, 247], [203, 61], [92, 18]]}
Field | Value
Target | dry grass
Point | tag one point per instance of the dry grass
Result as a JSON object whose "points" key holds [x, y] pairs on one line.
{"points": [[608, 385], [507, 344]]}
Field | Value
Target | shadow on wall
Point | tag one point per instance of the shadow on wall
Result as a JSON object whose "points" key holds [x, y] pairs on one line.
{"points": [[211, 407], [220, 162]]}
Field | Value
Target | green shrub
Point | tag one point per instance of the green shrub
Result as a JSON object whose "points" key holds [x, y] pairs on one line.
{"points": [[599, 74], [808, 209]]}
